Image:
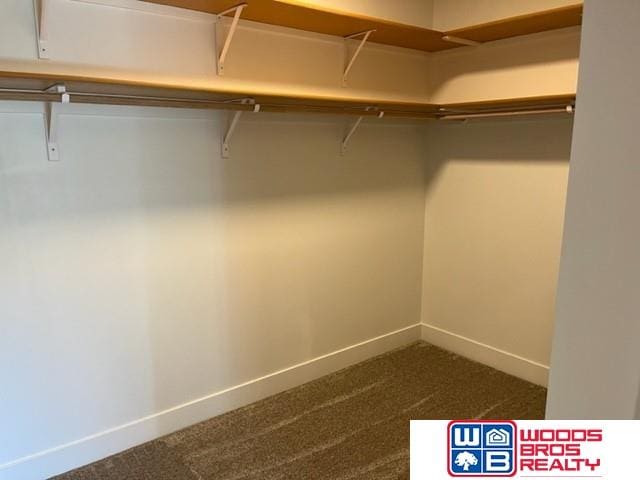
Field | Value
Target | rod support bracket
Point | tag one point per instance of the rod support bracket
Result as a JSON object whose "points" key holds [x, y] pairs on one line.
{"points": [[51, 113], [352, 130], [350, 61], [354, 127], [226, 151], [221, 57]]}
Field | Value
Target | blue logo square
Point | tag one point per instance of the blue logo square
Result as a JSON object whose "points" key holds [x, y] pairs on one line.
{"points": [[498, 462], [466, 462], [481, 448], [497, 435], [465, 435]]}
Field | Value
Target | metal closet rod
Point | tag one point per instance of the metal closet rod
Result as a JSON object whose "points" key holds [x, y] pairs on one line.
{"points": [[569, 109], [82, 97], [249, 104], [238, 104]]}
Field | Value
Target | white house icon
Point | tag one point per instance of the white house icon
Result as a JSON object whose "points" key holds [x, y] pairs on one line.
{"points": [[497, 437]]}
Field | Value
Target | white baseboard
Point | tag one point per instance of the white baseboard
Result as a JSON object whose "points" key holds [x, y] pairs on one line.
{"points": [[65, 457], [507, 362]]}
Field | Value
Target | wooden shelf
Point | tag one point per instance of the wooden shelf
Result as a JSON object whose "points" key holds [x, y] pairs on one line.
{"points": [[341, 24], [522, 25], [91, 90], [329, 22]]}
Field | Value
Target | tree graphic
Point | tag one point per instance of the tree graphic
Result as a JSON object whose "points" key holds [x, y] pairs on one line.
{"points": [[466, 460]]}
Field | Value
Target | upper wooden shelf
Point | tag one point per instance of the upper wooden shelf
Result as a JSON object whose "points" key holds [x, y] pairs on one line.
{"points": [[522, 25], [339, 23], [28, 86]]}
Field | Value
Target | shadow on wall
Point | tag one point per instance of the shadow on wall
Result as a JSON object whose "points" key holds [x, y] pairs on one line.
{"points": [[494, 216], [496, 141], [508, 68], [143, 161], [297, 160]]}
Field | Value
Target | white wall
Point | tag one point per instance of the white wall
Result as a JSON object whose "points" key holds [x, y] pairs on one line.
{"points": [[493, 228], [496, 194], [144, 280], [595, 368], [142, 271]]}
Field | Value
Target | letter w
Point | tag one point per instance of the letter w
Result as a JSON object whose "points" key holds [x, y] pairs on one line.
{"points": [[470, 437]]}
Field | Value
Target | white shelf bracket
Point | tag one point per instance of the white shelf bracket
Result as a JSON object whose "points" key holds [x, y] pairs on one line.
{"points": [[234, 123], [51, 121], [41, 17], [352, 130], [232, 30], [350, 61], [461, 41]]}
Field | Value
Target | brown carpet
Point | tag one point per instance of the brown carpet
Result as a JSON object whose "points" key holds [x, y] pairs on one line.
{"points": [[353, 424]]}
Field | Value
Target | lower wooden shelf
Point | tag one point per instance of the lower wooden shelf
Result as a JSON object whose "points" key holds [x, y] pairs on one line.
{"points": [[23, 86]]}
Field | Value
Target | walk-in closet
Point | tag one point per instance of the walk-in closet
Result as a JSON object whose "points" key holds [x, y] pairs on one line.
{"points": [[253, 240]]}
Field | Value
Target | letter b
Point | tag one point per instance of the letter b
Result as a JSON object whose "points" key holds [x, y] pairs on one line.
{"points": [[497, 461]]}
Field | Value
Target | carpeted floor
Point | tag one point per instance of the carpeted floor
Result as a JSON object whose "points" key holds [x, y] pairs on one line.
{"points": [[353, 424]]}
